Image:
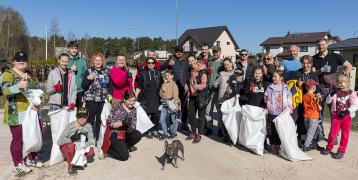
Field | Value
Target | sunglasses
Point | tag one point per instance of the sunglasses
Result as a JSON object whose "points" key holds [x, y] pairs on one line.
{"points": [[266, 58], [151, 62], [244, 54]]}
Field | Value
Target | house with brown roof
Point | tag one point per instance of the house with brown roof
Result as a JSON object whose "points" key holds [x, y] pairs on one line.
{"points": [[278, 46], [192, 39]]}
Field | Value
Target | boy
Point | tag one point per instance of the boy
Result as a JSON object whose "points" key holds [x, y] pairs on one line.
{"points": [[77, 136], [312, 108], [236, 86]]}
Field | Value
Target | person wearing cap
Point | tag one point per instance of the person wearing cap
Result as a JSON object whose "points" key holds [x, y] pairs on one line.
{"points": [[205, 55], [149, 84], [78, 65], [245, 65], [312, 108], [70, 139], [14, 82], [180, 67], [150, 54]]}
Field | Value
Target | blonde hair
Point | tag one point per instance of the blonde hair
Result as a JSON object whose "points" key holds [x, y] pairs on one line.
{"points": [[267, 55], [94, 56]]}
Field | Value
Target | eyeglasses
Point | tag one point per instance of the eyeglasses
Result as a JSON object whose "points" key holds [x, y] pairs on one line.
{"points": [[266, 58], [151, 62], [244, 54]]}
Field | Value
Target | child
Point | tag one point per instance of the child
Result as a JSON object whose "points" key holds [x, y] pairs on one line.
{"points": [[312, 108], [255, 88], [236, 86], [70, 139], [169, 92], [344, 103], [278, 98]]}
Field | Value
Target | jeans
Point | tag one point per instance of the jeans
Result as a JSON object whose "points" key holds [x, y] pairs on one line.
{"points": [[163, 120], [311, 126]]}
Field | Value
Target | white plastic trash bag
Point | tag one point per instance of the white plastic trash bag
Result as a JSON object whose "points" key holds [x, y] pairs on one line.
{"points": [[287, 132], [231, 117], [104, 116], [59, 119], [143, 121], [80, 159], [252, 132], [34, 96]]}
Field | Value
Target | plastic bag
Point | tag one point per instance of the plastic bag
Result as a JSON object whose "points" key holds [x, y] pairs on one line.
{"points": [[59, 119], [104, 116], [31, 132], [143, 121], [287, 132], [252, 131], [231, 117], [80, 159]]}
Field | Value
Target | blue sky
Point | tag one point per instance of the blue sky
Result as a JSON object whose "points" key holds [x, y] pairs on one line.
{"points": [[250, 21]]}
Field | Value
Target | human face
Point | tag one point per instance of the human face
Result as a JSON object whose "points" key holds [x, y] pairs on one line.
{"points": [[216, 54], [239, 78], [276, 78], [121, 61], [244, 55], [129, 102], [73, 50], [168, 77], [178, 54], [150, 64], [294, 52], [343, 82], [306, 65], [20, 65], [322, 46], [81, 121], [258, 74], [205, 50], [267, 60], [98, 62], [151, 54], [228, 65], [63, 62], [192, 61]]}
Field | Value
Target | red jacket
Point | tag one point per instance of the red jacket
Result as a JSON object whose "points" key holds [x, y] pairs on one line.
{"points": [[121, 83]]}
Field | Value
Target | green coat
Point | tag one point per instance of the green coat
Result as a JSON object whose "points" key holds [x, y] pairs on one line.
{"points": [[217, 67], [81, 64]]}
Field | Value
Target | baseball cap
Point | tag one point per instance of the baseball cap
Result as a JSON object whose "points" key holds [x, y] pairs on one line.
{"points": [[21, 56], [178, 48], [311, 82], [82, 112]]}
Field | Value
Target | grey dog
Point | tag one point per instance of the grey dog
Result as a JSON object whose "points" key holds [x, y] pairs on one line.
{"points": [[171, 153]]}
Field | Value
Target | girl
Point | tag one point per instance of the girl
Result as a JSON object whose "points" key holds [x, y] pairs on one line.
{"points": [[344, 103], [14, 81], [277, 98], [95, 83], [120, 79], [169, 92], [197, 85], [255, 88]]}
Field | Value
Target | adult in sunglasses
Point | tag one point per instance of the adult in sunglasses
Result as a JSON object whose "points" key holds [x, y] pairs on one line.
{"points": [[150, 53], [244, 64], [149, 83], [268, 67]]}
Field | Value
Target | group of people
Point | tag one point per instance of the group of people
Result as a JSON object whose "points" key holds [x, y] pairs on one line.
{"points": [[188, 89]]}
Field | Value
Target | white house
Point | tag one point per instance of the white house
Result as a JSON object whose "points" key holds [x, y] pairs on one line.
{"points": [[220, 36], [306, 41], [160, 55]]}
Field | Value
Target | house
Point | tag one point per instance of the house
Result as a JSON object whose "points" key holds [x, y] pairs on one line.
{"points": [[192, 39], [349, 50], [160, 55], [306, 41]]}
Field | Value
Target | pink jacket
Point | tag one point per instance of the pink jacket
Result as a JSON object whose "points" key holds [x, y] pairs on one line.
{"points": [[353, 100], [121, 83]]}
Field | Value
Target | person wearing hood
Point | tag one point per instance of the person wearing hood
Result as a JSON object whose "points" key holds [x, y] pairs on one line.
{"points": [[78, 65], [149, 83], [150, 53]]}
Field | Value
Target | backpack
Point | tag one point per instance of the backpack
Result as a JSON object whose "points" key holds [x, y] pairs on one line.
{"points": [[296, 92], [204, 95]]}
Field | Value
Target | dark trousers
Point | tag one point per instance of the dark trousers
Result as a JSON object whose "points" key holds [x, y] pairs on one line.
{"points": [[94, 117], [271, 130], [184, 106], [194, 122], [154, 117], [119, 148], [79, 101]]}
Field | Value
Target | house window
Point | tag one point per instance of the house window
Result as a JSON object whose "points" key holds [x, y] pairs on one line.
{"points": [[267, 49], [228, 43], [218, 43], [303, 48]]}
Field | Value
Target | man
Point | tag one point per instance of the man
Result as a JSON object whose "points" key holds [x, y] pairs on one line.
{"points": [[214, 67], [292, 64], [244, 64], [205, 55], [180, 67], [78, 65], [150, 53]]}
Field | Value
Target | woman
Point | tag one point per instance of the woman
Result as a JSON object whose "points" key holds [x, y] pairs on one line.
{"points": [[120, 79], [14, 81], [149, 83], [121, 134], [95, 84], [197, 85], [268, 67]]}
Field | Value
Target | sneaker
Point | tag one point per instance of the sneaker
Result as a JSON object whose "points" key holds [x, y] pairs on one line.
{"points": [[149, 135], [72, 170], [306, 149], [325, 151], [162, 137], [338, 155], [22, 169], [156, 134], [190, 137], [197, 139], [172, 136], [132, 149], [34, 163]]}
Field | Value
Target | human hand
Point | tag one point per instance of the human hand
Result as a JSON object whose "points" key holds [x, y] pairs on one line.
{"points": [[74, 68], [342, 114], [58, 86], [90, 76], [72, 106], [23, 84]]}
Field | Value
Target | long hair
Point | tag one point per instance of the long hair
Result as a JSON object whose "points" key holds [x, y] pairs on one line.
{"points": [[261, 84], [94, 56]]}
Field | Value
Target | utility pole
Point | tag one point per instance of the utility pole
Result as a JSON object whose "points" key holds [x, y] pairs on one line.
{"points": [[176, 10]]}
